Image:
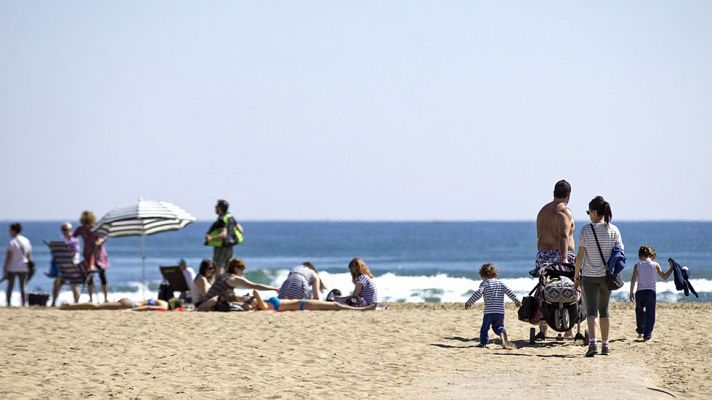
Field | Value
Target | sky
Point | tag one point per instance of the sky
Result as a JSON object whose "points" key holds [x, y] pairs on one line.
{"points": [[356, 110]]}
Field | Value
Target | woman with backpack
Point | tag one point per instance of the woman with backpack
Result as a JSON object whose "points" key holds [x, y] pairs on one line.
{"points": [[597, 238]]}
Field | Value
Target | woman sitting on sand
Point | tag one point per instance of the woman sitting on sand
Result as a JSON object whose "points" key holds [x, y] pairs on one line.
{"points": [[365, 291], [202, 284], [256, 303], [223, 290], [127, 304]]}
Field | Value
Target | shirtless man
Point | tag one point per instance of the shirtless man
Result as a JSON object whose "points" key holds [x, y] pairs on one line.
{"points": [[555, 234]]}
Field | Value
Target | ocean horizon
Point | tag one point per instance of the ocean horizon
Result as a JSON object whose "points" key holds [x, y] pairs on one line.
{"points": [[413, 261]]}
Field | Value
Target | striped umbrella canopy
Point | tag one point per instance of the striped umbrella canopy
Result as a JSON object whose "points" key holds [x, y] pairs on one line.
{"points": [[143, 218]]}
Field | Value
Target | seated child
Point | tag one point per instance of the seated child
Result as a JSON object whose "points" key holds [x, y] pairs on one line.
{"points": [[645, 297], [493, 292]]}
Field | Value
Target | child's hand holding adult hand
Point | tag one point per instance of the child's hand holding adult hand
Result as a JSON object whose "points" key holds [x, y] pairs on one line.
{"points": [[632, 297]]}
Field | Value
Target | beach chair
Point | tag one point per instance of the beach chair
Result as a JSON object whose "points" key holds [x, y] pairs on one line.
{"points": [[176, 279], [70, 272]]}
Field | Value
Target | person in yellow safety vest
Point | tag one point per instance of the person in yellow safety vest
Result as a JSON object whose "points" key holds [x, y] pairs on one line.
{"points": [[220, 237]]}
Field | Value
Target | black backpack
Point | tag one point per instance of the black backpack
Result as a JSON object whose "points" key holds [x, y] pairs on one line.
{"points": [[165, 291]]}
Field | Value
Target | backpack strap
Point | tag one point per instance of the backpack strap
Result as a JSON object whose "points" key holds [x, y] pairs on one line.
{"points": [[593, 229]]}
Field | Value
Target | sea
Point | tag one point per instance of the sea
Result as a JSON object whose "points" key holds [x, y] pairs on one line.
{"points": [[412, 261]]}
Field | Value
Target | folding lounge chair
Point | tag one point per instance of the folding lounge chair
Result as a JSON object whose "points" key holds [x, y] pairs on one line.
{"points": [[69, 271], [175, 278]]}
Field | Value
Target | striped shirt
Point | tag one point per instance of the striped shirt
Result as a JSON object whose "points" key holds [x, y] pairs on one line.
{"points": [[493, 292], [608, 235], [298, 283], [647, 274], [369, 291]]}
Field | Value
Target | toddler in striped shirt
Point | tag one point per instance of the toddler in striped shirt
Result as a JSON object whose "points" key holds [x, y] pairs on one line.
{"points": [[493, 292]]}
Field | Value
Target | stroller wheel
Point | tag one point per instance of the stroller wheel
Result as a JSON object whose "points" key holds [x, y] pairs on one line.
{"points": [[532, 335]]}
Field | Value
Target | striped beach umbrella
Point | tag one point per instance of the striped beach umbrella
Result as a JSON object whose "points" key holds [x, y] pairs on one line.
{"points": [[143, 218]]}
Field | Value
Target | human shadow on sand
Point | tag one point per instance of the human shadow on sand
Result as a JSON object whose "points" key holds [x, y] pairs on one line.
{"points": [[462, 339], [449, 346], [457, 339]]}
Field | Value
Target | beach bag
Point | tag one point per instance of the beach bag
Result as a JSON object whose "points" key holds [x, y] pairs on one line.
{"points": [[613, 280], [333, 294], [228, 306], [527, 309], [530, 310], [38, 298], [356, 301], [165, 291]]}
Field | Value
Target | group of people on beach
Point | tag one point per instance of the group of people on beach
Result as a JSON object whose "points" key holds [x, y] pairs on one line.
{"points": [[555, 246], [214, 286], [300, 290], [19, 264], [212, 289]]}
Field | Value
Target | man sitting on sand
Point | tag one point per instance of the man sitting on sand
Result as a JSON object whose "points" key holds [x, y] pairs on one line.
{"points": [[555, 235]]}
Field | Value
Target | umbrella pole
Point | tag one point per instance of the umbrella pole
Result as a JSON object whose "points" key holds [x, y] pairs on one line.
{"points": [[143, 270]]}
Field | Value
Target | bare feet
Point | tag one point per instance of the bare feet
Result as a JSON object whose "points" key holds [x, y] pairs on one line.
{"points": [[505, 342]]}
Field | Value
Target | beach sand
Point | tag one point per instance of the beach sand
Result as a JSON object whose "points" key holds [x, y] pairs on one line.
{"points": [[410, 351]]}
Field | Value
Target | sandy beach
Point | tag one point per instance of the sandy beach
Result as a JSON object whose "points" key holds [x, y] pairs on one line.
{"points": [[423, 351]]}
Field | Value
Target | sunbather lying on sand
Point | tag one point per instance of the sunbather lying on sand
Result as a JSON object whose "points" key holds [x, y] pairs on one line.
{"points": [[255, 302], [126, 304]]}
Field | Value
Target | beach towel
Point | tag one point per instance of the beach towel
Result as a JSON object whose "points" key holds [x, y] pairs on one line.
{"points": [[682, 278], [63, 257]]}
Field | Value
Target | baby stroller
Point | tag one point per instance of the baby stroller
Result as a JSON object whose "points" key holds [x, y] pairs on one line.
{"points": [[560, 305]]}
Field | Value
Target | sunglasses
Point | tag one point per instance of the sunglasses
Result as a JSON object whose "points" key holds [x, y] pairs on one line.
{"points": [[588, 212]]}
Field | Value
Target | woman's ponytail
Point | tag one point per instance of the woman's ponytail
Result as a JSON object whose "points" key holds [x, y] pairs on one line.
{"points": [[607, 213]]}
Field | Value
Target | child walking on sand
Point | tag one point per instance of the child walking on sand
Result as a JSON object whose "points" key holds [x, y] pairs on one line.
{"points": [[493, 292], [644, 274]]}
